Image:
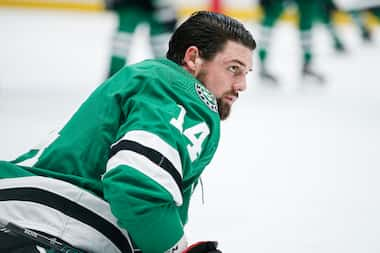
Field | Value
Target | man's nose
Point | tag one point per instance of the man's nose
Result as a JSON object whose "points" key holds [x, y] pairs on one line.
{"points": [[241, 84]]}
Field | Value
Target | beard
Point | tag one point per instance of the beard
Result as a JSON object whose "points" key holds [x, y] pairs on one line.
{"points": [[224, 109]]}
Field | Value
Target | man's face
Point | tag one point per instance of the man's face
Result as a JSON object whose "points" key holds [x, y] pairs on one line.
{"points": [[225, 75]]}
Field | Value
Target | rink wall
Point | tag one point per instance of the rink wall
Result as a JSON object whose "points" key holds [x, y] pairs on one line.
{"points": [[242, 9], [81, 5]]}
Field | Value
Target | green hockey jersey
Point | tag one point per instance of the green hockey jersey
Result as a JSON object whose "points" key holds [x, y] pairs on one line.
{"points": [[140, 141]]}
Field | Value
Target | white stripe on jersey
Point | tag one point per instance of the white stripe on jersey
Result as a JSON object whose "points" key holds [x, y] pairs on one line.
{"points": [[46, 219], [66, 190], [153, 141], [148, 168]]}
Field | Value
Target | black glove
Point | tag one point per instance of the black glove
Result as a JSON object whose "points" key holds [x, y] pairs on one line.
{"points": [[203, 247]]}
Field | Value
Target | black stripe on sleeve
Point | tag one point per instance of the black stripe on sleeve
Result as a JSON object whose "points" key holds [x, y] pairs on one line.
{"points": [[69, 208], [153, 155]]}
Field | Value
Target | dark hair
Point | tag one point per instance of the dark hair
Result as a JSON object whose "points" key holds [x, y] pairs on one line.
{"points": [[209, 32]]}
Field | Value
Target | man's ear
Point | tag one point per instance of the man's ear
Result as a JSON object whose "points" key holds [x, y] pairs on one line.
{"points": [[192, 60]]}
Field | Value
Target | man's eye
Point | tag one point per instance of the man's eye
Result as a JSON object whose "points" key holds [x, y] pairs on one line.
{"points": [[234, 69]]}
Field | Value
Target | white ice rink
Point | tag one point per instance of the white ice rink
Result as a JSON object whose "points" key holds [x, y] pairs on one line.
{"points": [[298, 167]]}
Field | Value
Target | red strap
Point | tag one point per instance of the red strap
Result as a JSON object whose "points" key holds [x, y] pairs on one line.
{"points": [[193, 246]]}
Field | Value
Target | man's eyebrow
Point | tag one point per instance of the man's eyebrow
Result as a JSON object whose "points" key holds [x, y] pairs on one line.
{"points": [[241, 63]]}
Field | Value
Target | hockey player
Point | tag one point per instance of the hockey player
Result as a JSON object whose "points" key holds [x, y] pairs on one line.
{"points": [[326, 9], [272, 10], [118, 177], [161, 17], [359, 18]]}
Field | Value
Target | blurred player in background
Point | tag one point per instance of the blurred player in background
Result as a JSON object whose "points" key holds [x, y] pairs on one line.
{"points": [[359, 17], [272, 10], [327, 9], [161, 17], [361, 11]]}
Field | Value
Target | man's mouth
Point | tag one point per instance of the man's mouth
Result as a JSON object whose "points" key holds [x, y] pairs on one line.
{"points": [[230, 98]]}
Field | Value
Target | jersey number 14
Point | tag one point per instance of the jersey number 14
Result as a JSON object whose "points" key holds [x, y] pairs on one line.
{"points": [[195, 134]]}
